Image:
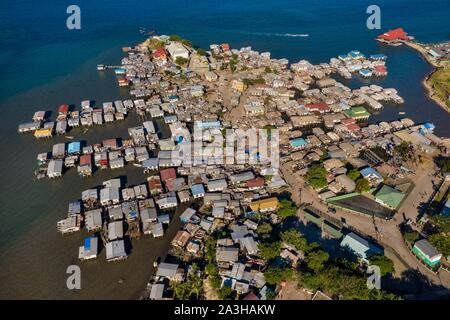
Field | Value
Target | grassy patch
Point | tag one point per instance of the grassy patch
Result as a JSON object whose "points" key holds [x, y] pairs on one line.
{"points": [[440, 80]]}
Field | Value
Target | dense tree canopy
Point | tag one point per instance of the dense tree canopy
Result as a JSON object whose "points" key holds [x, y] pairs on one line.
{"points": [[174, 37], [316, 259], [411, 236], [347, 284], [317, 176], [274, 275], [404, 150], [286, 208], [362, 185], [354, 174], [441, 222], [442, 243], [264, 229], [201, 52], [384, 263], [444, 164], [294, 238], [269, 250], [192, 287], [181, 61]]}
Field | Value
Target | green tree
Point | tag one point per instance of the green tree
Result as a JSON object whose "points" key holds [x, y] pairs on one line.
{"points": [[264, 229], [354, 174], [411, 236], [224, 293], [193, 286], [267, 69], [442, 243], [444, 164], [317, 176], [174, 37], [316, 259], [274, 275], [269, 250], [181, 61], [384, 263], [286, 208], [362, 185], [187, 43], [441, 222], [210, 250], [404, 150], [201, 52], [294, 238], [155, 43]]}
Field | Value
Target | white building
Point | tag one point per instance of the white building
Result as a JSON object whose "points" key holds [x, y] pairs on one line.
{"points": [[176, 50]]}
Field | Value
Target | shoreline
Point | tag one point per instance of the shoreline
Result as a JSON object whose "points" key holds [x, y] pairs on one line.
{"points": [[431, 93], [425, 82]]}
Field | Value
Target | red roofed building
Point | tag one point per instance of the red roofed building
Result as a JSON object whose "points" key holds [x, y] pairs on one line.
{"points": [[348, 121], [63, 109], [225, 46], [353, 127], [160, 54], [103, 163], [396, 34], [256, 183], [110, 143], [168, 174], [154, 184], [318, 107], [380, 71], [85, 159]]}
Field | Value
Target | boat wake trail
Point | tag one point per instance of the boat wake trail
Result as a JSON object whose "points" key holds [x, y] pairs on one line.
{"points": [[268, 34]]}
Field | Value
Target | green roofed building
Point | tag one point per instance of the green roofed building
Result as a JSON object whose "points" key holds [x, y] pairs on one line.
{"points": [[389, 197], [426, 252], [357, 113]]}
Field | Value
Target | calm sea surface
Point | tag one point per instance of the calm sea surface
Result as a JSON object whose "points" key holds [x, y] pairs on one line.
{"points": [[43, 64]]}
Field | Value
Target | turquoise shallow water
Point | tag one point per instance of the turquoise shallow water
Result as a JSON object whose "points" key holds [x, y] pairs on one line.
{"points": [[43, 64]]}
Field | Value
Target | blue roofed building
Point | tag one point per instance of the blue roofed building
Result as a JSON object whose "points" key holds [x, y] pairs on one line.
{"points": [[378, 56], [372, 175], [173, 98], [427, 128], [355, 54], [207, 124], [298, 143], [359, 246], [89, 249], [365, 72], [74, 147], [198, 191], [446, 209], [197, 90]]}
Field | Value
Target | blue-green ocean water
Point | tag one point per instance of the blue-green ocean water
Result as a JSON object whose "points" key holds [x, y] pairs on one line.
{"points": [[43, 64]]}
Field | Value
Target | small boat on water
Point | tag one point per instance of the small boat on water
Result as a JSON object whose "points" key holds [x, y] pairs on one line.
{"points": [[402, 113], [101, 67], [69, 137], [85, 130], [137, 165]]}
